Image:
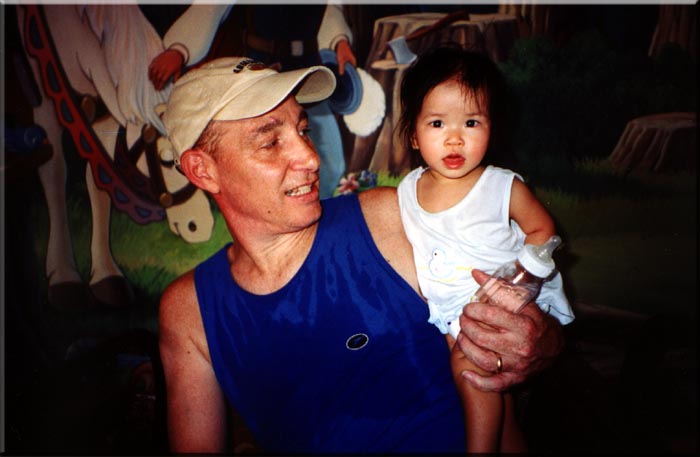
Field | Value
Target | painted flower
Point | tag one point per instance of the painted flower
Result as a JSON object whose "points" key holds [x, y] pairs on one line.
{"points": [[348, 184], [368, 179], [357, 182]]}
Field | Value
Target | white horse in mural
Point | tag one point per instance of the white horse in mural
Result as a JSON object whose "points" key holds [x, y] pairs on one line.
{"points": [[104, 51]]}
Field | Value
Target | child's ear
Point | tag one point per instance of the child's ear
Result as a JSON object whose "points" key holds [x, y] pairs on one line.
{"points": [[414, 142], [200, 169]]}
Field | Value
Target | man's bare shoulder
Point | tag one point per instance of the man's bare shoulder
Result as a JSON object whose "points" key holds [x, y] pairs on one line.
{"points": [[380, 207], [178, 294], [179, 310]]}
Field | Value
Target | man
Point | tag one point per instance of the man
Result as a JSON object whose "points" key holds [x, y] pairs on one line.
{"points": [[309, 324], [286, 37]]}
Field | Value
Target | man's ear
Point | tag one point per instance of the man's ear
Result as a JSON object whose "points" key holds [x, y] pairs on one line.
{"points": [[200, 169]]}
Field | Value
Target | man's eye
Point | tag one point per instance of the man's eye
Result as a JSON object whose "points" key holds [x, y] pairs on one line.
{"points": [[472, 123], [305, 131], [270, 143], [436, 123]]}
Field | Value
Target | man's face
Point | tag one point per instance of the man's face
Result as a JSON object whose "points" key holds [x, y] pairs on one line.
{"points": [[268, 171]]}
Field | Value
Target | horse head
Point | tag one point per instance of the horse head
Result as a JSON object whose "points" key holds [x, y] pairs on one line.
{"points": [[145, 168], [192, 219]]}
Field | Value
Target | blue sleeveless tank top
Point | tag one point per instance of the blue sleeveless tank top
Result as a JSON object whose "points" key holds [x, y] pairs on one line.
{"points": [[341, 359]]}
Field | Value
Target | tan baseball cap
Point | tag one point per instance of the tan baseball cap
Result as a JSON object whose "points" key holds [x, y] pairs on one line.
{"points": [[234, 88]]}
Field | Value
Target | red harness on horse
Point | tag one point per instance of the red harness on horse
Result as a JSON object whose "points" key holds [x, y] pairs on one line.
{"points": [[132, 192]]}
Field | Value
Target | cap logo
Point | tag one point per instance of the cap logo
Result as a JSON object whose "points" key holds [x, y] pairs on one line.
{"points": [[250, 64]]}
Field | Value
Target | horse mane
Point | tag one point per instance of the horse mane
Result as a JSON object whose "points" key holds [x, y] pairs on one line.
{"points": [[129, 43]]}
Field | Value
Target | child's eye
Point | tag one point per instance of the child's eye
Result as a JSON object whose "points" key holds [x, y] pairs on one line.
{"points": [[472, 123], [436, 123]]}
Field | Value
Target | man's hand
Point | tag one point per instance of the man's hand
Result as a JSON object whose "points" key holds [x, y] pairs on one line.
{"points": [[165, 65], [527, 342]]}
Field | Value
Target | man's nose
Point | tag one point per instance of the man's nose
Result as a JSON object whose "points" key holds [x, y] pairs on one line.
{"points": [[305, 156]]}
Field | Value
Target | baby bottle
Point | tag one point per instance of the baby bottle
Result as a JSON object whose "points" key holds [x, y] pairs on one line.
{"points": [[515, 284]]}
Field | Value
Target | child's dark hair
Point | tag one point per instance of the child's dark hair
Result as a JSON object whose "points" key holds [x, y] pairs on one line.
{"points": [[475, 71]]}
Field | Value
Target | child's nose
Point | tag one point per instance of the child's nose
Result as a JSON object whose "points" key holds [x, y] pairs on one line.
{"points": [[454, 138]]}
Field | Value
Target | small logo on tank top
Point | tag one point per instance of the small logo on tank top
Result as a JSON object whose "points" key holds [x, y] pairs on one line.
{"points": [[357, 341]]}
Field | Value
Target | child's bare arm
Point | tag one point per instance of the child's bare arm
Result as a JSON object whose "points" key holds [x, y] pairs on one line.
{"points": [[530, 214], [483, 411]]}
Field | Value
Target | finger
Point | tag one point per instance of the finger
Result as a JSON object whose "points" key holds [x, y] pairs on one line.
{"points": [[158, 83], [494, 316], [480, 276], [533, 311], [514, 330], [484, 349], [484, 359], [155, 81], [350, 59], [151, 73], [497, 336], [494, 383]]}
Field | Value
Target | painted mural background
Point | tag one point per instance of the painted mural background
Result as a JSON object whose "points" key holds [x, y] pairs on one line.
{"points": [[605, 99]]}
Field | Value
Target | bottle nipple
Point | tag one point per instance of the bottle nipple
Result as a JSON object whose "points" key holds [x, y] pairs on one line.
{"points": [[544, 252], [538, 259]]}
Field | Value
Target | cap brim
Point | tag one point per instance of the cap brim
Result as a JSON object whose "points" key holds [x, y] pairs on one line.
{"points": [[314, 84]]}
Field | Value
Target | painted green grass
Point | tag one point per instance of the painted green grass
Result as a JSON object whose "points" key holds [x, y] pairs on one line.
{"points": [[630, 241], [636, 251], [157, 253]]}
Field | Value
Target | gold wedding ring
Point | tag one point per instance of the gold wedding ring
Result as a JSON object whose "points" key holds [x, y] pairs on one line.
{"points": [[499, 364]]}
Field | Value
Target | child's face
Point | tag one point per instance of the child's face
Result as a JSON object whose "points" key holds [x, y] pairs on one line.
{"points": [[452, 133]]}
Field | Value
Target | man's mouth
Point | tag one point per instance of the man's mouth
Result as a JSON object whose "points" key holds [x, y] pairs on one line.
{"points": [[297, 191]]}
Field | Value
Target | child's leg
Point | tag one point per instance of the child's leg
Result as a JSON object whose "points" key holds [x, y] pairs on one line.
{"points": [[483, 415], [483, 411], [512, 439]]}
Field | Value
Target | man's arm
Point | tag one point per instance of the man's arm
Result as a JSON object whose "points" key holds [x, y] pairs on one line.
{"points": [[195, 404]]}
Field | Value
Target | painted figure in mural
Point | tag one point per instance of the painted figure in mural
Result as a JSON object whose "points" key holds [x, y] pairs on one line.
{"points": [[310, 324], [460, 215], [286, 37], [101, 51]]}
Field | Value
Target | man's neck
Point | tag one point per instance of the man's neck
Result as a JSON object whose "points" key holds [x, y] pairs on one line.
{"points": [[264, 264]]}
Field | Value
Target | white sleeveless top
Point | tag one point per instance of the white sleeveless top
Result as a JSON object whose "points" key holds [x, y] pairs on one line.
{"points": [[477, 233]]}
